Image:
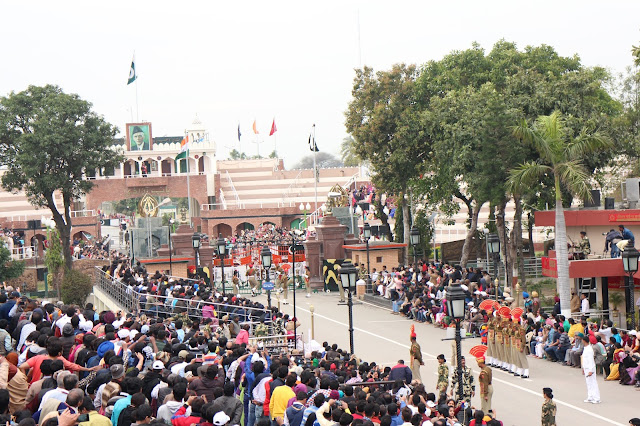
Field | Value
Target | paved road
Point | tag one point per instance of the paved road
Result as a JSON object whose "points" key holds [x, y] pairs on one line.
{"points": [[382, 337]]}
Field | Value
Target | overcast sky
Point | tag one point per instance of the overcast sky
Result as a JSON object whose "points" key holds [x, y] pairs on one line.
{"points": [[236, 61]]}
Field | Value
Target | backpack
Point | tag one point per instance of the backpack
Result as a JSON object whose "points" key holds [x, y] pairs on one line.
{"points": [[126, 416]]}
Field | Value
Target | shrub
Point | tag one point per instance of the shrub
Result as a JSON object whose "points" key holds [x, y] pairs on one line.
{"points": [[76, 286]]}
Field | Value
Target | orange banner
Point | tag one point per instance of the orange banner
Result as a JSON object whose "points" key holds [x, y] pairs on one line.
{"points": [[245, 260], [276, 259]]}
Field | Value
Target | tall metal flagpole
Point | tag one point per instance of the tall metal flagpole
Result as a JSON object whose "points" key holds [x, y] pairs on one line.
{"points": [[137, 112], [315, 167], [188, 180]]}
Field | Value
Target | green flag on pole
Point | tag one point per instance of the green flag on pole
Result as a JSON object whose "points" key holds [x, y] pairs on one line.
{"points": [[132, 71]]}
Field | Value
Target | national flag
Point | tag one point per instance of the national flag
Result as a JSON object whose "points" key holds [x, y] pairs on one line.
{"points": [[313, 147], [239, 134], [184, 150], [273, 128], [255, 128], [132, 71]]}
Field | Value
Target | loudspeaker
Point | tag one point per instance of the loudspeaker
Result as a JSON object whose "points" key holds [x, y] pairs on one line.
{"points": [[34, 224], [595, 199], [609, 203], [41, 273]]}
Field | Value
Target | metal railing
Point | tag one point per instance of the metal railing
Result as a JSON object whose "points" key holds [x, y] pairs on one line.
{"points": [[233, 190], [82, 213], [165, 306], [222, 200], [24, 253], [248, 204], [286, 194]]}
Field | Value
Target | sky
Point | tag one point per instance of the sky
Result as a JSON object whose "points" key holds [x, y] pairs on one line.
{"points": [[234, 62]]}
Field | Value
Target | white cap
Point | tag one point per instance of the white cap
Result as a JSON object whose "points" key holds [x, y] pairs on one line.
{"points": [[431, 404], [157, 365], [221, 419], [133, 334], [123, 334]]}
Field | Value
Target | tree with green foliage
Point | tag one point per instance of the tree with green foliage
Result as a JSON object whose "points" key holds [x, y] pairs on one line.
{"points": [[9, 268], [323, 160], [561, 156], [53, 259], [76, 287], [234, 154], [49, 141], [348, 152], [385, 123]]}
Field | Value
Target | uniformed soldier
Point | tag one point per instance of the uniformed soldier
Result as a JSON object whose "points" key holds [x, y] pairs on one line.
{"points": [[499, 346], [443, 376], [548, 408], [282, 283], [415, 355], [484, 378], [491, 341], [253, 283], [468, 382], [235, 281], [584, 245], [521, 345]]}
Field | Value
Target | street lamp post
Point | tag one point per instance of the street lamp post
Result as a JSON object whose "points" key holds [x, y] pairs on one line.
{"points": [[348, 277], [456, 309], [304, 208], [493, 245], [171, 222], [630, 263], [222, 251], [195, 242], [366, 232], [265, 254], [414, 238]]}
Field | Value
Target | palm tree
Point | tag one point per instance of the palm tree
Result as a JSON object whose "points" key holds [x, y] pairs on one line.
{"points": [[561, 156], [348, 152]]}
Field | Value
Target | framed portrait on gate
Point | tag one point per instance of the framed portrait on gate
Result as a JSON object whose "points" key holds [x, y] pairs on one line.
{"points": [[139, 137]]}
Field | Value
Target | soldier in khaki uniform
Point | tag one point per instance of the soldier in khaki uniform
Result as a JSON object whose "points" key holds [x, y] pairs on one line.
{"points": [[491, 341], [282, 283], [499, 346], [251, 278], [521, 344], [484, 378]]}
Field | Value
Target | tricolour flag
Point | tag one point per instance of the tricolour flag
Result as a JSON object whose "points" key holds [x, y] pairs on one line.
{"points": [[255, 128], [273, 128], [132, 71], [184, 150]]}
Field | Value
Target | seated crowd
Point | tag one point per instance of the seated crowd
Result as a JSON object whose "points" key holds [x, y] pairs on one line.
{"points": [[179, 365]]}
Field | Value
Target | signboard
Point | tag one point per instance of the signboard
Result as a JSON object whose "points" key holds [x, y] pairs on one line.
{"points": [[621, 282], [624, 217], [267, 285], [227, 262], [549, 267]]}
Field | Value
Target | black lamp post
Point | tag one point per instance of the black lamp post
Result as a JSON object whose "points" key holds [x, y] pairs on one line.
{"points": [[366, 233], [630, 263], [222, 251], [265, 254], [493, 245], [456, 309], [348, 277], [195, 242], [171, 222], [414, 238]]}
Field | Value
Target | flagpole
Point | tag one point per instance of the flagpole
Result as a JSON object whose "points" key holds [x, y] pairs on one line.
{"points": [[188, 181], [136, 75], [315, 167]]}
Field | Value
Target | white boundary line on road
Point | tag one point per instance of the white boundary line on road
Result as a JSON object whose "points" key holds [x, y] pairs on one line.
{"points": [[566, 404]]}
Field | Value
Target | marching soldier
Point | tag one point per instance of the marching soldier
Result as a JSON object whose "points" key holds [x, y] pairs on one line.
{"points": [[484, 378], [468, 383], [548, 408], [443, 377], [251, 278], [282, 283], [235, 281]]}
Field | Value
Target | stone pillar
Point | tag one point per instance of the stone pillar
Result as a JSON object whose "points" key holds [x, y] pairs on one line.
{"points": [[327, 245], [312, 250]]}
